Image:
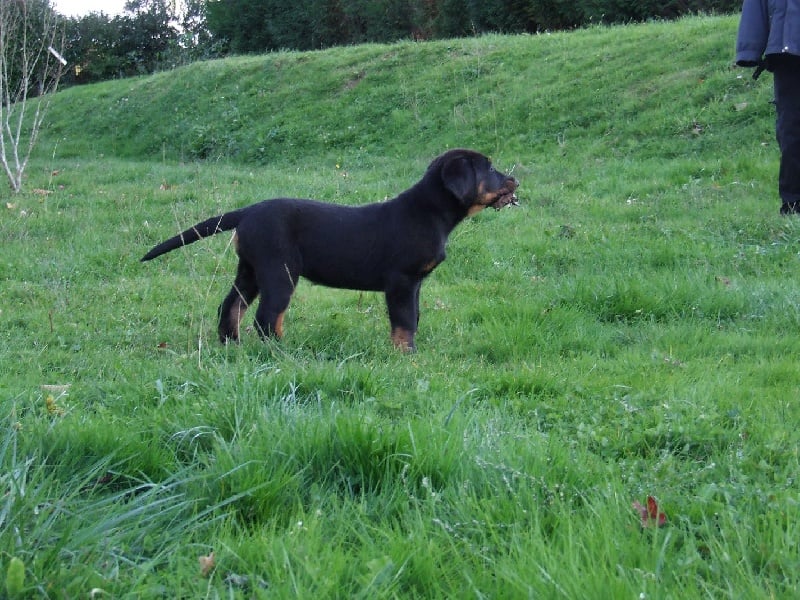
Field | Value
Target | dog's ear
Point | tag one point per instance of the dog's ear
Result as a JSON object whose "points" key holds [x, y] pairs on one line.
{"points": [[458, 176]]}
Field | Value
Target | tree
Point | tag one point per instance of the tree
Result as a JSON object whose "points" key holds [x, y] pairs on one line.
{"points": [[195, 41], [90, 49], [244, 25], [30, 69], [149, 36], [146, 35]]}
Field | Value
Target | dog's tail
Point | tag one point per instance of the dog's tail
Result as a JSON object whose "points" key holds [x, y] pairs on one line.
{"points": [[202, 230]]}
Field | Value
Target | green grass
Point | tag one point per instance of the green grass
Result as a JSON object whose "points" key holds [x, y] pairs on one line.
{"points": [[630, 330]]}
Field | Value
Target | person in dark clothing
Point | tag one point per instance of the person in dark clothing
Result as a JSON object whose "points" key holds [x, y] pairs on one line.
{"points": [[769, 38]]}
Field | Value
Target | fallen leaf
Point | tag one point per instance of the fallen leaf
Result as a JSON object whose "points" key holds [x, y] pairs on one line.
{"points": [[650, 514], [207, 564], [53, 408], [59, 388]]}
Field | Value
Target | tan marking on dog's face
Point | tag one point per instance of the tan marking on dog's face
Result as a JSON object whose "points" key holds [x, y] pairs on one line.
{"points": [[486, 198], [403, 339], [475, 209]]}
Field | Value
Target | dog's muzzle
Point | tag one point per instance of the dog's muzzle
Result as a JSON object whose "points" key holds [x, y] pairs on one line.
{"points": [[507, 197]]}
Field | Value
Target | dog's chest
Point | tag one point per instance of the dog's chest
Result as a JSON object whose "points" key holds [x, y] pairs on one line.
{"points": [[432, 261]]}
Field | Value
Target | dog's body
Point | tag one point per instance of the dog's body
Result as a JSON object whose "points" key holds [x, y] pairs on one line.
{"points": [[388, 246]]}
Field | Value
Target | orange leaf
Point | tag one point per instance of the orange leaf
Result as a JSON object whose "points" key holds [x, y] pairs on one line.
{"points": [[207, 564], [650, 514]]}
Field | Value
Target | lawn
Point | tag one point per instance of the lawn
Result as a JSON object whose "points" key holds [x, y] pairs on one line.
{"points": [[629, 331]]}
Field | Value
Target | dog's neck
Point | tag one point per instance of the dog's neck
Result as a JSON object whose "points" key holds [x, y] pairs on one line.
{"points": [[427, 193]]}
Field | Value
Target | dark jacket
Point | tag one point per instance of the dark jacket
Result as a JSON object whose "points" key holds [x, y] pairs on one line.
{"points": [[767, 27]]}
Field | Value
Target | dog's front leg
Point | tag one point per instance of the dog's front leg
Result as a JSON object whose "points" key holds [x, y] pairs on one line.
{"points": [[402, 301]]}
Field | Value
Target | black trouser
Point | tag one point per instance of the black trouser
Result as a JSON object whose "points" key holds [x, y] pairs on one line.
{"points": [[786, 71]]}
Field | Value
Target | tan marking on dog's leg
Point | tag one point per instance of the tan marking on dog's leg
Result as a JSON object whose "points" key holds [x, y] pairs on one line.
{"points": [[236, 314], [240, 317], [430, 266], [403, 339], [279, 325]]}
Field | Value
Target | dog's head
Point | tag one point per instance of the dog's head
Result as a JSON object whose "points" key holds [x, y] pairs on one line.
{"points": [[476, 184]]}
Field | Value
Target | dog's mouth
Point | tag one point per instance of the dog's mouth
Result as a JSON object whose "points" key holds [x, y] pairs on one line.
{"points": [[508, 199]]}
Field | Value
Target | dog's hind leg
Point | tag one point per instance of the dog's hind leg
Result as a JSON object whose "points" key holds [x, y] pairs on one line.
{"points": [[235, 304], [277, 286]]}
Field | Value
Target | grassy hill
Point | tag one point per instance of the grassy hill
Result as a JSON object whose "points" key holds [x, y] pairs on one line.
{"points": [[628, 331], [643, 92]]}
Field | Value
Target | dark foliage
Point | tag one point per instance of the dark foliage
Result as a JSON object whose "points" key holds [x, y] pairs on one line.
{"points": [[261, 25], [100, 47], [151, 36]]}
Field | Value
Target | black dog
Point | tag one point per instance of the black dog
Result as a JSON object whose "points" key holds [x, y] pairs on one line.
{"points": [[388, 246]]}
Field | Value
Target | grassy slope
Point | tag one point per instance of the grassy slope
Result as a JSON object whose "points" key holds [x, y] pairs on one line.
{"points": [[624, 333], [520, 96]]}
